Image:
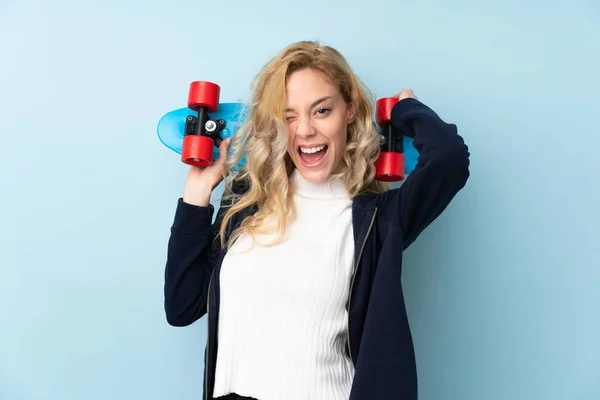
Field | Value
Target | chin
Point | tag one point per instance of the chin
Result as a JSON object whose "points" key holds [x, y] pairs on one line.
{"points": [[315, 176]]}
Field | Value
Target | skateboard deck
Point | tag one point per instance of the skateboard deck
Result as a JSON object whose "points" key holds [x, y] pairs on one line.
{"points": [[204, 113]]}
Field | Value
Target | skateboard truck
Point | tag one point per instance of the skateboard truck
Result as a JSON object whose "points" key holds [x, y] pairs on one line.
{"points": [[389, 167], [203, 124], [202, 133]]}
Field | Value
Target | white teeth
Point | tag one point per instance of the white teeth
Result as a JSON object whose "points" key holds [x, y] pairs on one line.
{"points": [[310, 150]]}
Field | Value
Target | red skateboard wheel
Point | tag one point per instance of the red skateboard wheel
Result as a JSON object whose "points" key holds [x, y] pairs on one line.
{"points": [[384, 109], [389, 167], [197, 150], [205, 94]]}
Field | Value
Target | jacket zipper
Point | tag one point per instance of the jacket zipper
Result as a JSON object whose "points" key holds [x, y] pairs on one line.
{"points": [[207, 366], [362, 247]]}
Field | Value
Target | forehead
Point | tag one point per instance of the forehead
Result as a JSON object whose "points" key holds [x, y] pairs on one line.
{"points": [[307, 85]]}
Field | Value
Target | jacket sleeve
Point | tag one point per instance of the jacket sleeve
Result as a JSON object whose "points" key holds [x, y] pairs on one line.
{"points": [[442, 168], [191, 256]]}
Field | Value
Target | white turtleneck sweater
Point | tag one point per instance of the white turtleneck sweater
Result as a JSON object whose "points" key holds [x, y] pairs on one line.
{"points": [[282, 321]]}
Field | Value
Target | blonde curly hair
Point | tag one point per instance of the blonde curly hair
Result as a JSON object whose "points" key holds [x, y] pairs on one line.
{"points": [[262, 140]]}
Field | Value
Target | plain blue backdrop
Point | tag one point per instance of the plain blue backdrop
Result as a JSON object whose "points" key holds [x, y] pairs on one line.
{"points": [[502, 290]]}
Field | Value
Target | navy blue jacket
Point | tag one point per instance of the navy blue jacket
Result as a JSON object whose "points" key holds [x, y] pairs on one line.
{"points": [[379, 339]]}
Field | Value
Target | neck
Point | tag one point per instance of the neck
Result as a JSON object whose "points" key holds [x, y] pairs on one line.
{"points": [[331, 188]]}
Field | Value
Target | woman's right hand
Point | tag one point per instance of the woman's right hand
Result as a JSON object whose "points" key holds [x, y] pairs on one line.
{"points": [[201, 181]]}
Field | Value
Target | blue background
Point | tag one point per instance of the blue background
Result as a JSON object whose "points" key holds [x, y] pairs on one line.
{"points": [[503, 290]]}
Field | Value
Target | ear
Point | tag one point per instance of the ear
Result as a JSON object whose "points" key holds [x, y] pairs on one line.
{"points": [[350, 113]]}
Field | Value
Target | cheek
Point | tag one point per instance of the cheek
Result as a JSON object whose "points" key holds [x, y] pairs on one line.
{"points": [[340, 138]]}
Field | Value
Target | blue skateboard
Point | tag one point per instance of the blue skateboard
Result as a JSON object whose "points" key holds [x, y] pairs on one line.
{"points": [[195, 132], [174, 126]]}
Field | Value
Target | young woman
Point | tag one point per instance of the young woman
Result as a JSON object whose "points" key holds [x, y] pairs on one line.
{"points": [[300, 273]]}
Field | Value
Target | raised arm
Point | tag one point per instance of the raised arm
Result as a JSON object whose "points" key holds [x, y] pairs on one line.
{"points": [[193, 245], [442, 168], [191, 257]]}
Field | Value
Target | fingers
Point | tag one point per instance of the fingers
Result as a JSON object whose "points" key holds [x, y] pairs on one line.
{"points": [[223, 150], [405, 94]]}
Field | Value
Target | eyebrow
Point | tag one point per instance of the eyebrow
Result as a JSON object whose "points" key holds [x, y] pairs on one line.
{"points": [[322, 99]]}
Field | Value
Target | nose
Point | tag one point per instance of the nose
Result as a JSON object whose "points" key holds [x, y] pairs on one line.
{"points": [[305, 128]]}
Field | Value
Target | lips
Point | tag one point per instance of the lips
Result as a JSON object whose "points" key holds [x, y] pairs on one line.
{"points": [[312, 156]]}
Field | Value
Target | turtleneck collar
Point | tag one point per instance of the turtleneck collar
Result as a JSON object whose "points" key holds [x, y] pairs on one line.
{"points": [[332, 188]]}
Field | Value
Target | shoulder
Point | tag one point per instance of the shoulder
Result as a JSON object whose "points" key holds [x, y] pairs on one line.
{"points": [[240, 186], [371, 200], [234, 190]]}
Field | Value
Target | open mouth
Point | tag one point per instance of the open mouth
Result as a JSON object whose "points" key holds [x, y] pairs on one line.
{"points": [[312, 155]]}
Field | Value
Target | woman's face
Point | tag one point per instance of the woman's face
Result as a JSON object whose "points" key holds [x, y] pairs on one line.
{"points": [[318, 119]]}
